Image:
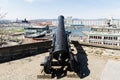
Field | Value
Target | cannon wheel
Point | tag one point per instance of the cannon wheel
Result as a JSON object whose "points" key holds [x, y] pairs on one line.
{"points": [[73, 63], [47, 65]]}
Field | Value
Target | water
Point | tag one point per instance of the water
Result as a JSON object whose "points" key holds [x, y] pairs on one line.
{"points": [[77, 31]]}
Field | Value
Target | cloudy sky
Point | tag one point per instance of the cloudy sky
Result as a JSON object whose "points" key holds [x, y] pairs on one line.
{"points": [[37, 9]]}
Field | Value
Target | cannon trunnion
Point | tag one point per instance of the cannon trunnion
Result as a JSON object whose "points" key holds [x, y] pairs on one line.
{"points": [[60, 56]]}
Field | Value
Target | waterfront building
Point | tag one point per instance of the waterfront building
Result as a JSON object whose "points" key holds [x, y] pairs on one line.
{"points": [[54, 22], [88, 22], [105, 35], [68, 21], [95, 22]]}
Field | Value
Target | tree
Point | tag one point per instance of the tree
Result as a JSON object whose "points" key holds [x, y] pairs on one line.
{"points": [[2, 32], [2, 15]]}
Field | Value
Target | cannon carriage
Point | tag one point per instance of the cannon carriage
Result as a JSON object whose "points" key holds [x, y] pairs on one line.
{"points": [[60, 55]]}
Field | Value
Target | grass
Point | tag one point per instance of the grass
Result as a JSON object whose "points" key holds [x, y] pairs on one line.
{"points": [[11, 30]]}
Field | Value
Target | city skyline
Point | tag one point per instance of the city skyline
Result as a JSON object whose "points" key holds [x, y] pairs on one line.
{"points": [[50, 9]]}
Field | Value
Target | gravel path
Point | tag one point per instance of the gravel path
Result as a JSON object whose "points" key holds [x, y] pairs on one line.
{"points": [[29, 68]]}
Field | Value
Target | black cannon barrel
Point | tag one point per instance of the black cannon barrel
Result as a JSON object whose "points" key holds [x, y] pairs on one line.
{"points": [[61, 42], [60, 54]]}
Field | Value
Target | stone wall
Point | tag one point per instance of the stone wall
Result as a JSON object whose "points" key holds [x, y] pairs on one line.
{"points": [[18, 51]]}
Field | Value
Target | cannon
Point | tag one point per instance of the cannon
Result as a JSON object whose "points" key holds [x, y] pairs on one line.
{"points": [[60, 55]]}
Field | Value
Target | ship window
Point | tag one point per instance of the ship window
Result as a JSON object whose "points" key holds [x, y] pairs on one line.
{"points": [[96, 37], [91, 37], [111, 38], [105, 37], [104, 43], [115, 44], [99, 37], [108, 38], [115, 38]]}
